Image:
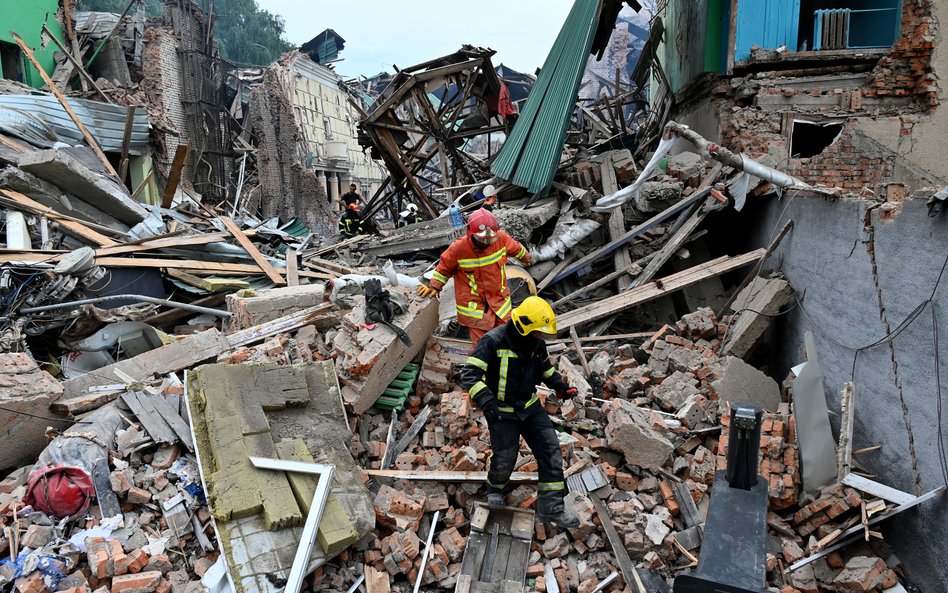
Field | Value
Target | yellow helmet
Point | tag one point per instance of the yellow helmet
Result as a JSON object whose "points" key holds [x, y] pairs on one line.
{"points": [[534, 314]]}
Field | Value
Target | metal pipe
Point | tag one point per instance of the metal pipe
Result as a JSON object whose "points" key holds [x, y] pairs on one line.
{"points": [[134, 297]]}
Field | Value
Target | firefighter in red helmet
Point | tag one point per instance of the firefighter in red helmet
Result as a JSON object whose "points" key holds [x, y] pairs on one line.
{"points": [[478, 262]]}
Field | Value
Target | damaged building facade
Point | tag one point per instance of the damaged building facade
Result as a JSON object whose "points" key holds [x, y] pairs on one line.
{"points": [[845, 95]]}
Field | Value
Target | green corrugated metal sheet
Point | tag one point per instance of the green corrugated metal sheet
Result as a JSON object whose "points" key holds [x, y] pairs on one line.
{"points": [[531, 153]]}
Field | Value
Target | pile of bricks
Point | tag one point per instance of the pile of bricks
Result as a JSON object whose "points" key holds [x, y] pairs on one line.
{"points": [[653, 436], [145, 554]]}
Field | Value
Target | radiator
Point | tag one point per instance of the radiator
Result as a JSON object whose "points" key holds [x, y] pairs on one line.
{"points": [[831, 29]]}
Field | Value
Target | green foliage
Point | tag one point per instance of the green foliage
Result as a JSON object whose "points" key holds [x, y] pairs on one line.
{"points": [[248, 35]]}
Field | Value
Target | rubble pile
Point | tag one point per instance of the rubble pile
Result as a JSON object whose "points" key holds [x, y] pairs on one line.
{"points": [[199, 391]]}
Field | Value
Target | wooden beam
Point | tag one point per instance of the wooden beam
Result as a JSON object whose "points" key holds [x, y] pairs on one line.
{"points": [[673, 244], [126, 142], [62, 101], [669, 284], [446, 476], [167, 242], [152, 262], [579, 350], [71, 225], [76, 64], [632, 579], [174, 176], [292, 268], [632, 234], [258, 257]]}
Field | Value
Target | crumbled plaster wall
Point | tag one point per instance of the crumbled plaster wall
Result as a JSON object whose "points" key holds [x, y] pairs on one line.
{"points": [[893, 129], [860, 270]]}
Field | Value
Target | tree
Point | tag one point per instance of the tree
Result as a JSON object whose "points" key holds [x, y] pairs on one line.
{"points": [[248, 35]]}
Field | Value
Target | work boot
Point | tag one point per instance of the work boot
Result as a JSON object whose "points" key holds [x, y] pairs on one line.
{"points": [[495, 500], [562, 519]]}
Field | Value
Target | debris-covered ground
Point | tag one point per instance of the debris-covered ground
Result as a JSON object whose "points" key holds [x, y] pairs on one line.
{"points": [[197, 393]]}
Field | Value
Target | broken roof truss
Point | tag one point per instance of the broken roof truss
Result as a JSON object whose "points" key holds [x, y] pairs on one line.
{"points": [[422, 120]]}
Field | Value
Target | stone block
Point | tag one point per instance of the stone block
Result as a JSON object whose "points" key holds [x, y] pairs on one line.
{"points": [[756, 304], [629, 431], [742, 383]]}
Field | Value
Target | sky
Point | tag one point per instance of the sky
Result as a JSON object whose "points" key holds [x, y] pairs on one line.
{"points": [[380, 33]]}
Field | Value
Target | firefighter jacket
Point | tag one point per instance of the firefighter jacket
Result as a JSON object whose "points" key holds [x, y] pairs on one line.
{"points": [[480, 279], [497, 368], [351, 224]]}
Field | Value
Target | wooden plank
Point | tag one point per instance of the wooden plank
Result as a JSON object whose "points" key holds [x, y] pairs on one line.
{"points": [[651, 291], [389, 456], [150, 419], [78, 66], [500, 559], [108, 502], [619, 337], [632, 234], [844, 450], [849, 533], [65, 103], [446, 476], [610, 185], [126, 142], [411, 433], [173, 419], [174, 177], [84, 403], [876, 489], [290, 322], [164, 243], [579, 351], [292, 268], [148, 262], [71, 225], [673, 244], [258, 257], [689, 510], [632, 580]]}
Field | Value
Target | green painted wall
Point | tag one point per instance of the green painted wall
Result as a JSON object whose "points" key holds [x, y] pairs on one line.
{"points": [[26, 18]]}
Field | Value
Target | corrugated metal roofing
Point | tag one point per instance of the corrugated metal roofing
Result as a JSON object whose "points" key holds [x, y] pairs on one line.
{"points": [[531, 153], [105, 122]]}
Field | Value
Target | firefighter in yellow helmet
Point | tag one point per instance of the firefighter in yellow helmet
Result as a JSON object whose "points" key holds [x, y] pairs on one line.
{"points": [[501, 375]]}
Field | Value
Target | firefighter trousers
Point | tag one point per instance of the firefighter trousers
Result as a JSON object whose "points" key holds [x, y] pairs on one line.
{"points": [[534, 425]]}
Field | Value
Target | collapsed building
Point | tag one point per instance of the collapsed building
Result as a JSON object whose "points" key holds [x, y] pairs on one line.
{"points": [[199, 392]]}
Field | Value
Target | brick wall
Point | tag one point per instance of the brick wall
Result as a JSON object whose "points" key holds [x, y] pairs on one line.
{"points": [[907, 71], [845, 166]]}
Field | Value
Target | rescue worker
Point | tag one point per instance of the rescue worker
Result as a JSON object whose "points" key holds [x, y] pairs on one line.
{"points": [[490, 197], [478, 264], [501, 376], [351, 223], [410, 215]]}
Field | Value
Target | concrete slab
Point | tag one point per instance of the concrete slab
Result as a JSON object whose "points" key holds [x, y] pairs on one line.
{"points": [[741, 383], [24, 387], [69, 174], [756, 304], [170, 358], [368, 359], [250, 308]]}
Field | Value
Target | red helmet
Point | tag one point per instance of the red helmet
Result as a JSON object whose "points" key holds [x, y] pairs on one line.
{"points": [[482, 225], [354, 207]]}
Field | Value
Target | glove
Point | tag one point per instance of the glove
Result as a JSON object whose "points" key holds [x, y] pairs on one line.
{"points": [[569, 392], [425, 291], [491, 409]]}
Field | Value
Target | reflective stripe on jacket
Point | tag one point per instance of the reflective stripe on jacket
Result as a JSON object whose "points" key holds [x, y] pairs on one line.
{"points": [[494, 369], [480, 278]]}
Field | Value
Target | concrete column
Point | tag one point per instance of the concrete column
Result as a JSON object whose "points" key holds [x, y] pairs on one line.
{"points": [[321, 179], [334, 190]]}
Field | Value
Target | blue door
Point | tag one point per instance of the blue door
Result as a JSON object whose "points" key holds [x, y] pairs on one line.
{"points": [[766, 23]]}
